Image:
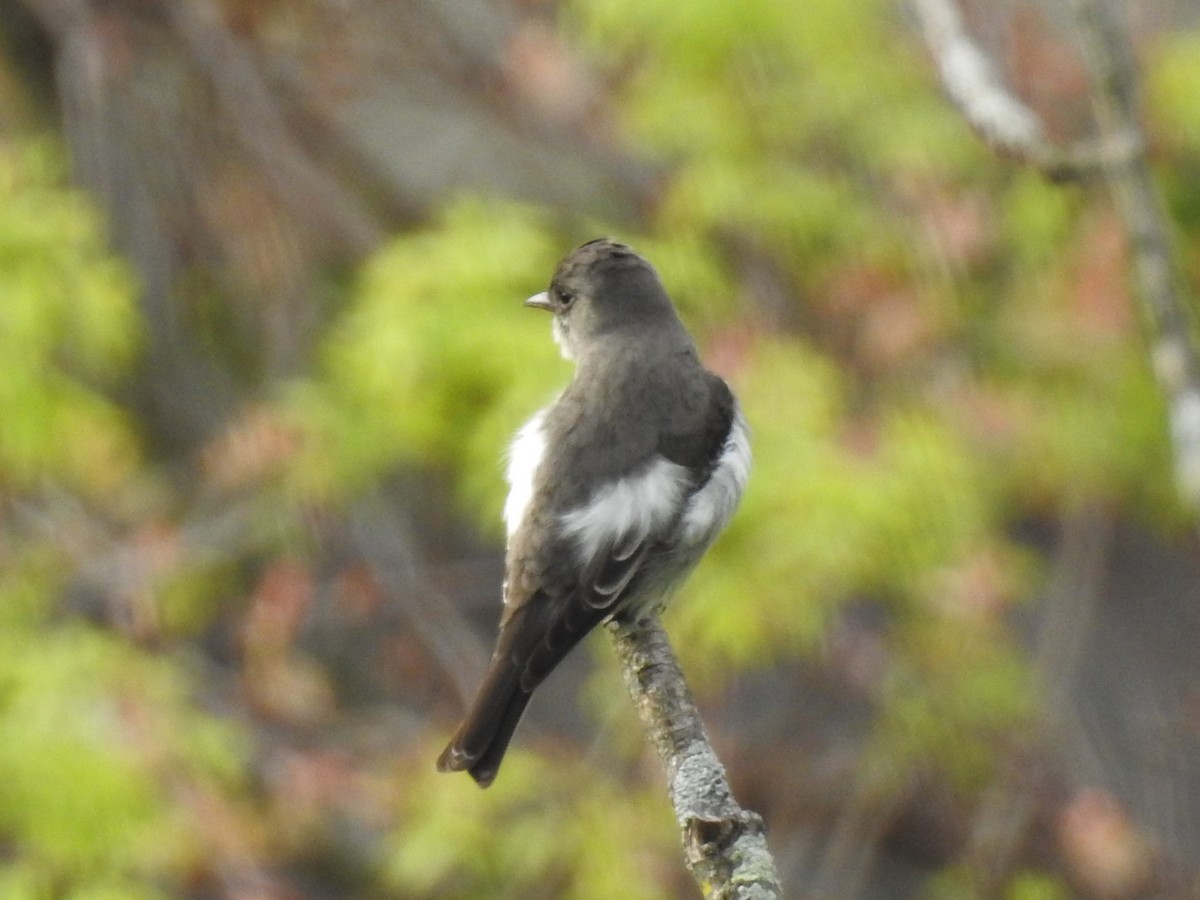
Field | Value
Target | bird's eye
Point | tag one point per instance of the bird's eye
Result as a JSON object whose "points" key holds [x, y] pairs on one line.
{"points": [[565, 298]]}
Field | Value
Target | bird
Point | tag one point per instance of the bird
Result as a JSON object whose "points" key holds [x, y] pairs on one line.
{"points": [[616, 489]]}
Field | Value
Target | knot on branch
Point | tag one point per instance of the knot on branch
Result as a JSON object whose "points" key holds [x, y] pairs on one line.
{"points": [[707, 838], [729, 858]]}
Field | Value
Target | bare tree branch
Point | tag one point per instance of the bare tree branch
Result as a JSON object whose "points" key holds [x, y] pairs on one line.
{"points": [[1118, 156], [724, 845], [1173, 351], [1004, 122]]}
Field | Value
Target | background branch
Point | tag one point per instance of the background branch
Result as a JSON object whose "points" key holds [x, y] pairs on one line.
{"points": [[1010, 807], [1173, 352], [724, 845], [1118, 155], [996, 114]]}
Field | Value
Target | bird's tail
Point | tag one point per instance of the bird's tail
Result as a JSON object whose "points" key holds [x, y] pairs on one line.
{"points": [[532, 642], [479, 744]]}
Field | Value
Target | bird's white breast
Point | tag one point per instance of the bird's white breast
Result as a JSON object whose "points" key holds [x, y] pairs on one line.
{"points": [[524, 456]]}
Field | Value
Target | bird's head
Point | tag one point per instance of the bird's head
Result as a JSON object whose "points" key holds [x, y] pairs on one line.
{"points": [[602, 290]]}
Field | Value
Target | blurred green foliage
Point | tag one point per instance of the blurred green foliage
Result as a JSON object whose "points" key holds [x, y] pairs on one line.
{"points": [[945, 362], [94, 737], [435, 357], [548, 829], [67, 322], [99, 739]]}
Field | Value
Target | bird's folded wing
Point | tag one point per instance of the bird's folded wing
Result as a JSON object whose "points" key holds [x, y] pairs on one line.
{"points": [[600, 548]]}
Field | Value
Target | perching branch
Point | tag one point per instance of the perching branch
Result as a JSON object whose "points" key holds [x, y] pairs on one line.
{"points": [[724, 845]]}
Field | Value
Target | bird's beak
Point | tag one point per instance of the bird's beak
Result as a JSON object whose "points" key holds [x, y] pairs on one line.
{"points": [[540, 301]]}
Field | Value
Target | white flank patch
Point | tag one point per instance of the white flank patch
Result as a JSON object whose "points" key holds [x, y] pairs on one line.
{"points": [[624, 512], [710, 508], [524, 456]]}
